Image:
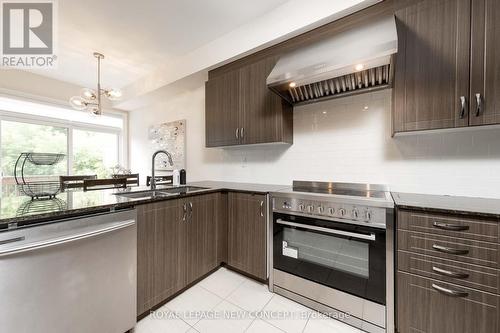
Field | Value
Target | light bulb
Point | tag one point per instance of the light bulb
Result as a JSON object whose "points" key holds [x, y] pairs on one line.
{"points": [[292, 84], [359, 67], [88, 94], [114, 94], [78, 103]]}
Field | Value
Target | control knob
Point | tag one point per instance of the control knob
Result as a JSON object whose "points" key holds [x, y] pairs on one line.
{"points": [[368, 215], [301, 207], [320, 209], [355, 213], [331, 211], [342, 211], [310, 208]]}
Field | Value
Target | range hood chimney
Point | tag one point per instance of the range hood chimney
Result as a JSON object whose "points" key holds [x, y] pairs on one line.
{"points": [[351, 62]]}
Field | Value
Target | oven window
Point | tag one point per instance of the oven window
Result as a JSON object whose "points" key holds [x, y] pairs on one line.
{"points": [[337, 253]]}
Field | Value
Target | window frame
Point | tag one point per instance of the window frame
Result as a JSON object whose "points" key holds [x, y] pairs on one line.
{"points": [[70, 126]]}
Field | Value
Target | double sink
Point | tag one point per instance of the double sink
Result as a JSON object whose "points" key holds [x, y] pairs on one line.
{"points": [[150, 194]]}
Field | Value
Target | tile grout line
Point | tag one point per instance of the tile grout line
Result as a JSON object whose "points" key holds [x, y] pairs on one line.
{"points": [[221, 300], [264, 320]]}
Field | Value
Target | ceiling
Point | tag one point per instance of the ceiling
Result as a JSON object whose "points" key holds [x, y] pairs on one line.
{"points": [[137, 37]]}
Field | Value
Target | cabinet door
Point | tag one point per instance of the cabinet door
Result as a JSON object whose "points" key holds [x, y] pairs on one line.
{"points": [[264, 114], [145, 265], [247, 233], [424, 309], [169, 255], [222, 108], [432, 65], [485, 63], [201, 235]]}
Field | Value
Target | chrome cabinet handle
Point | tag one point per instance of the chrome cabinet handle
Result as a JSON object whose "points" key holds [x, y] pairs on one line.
{"points": [[262, 208], [451, 227], [242, 132], [449, 250], [190, 210], [479, 105], [444, 272], [450, 292], [237, 135], [463, 107], [184, 210]]}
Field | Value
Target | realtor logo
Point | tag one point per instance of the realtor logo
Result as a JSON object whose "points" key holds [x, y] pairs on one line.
{"points": [[28, 33]]}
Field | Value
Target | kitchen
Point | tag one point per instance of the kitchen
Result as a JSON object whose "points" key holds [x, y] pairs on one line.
{"points": [[336, 172]]}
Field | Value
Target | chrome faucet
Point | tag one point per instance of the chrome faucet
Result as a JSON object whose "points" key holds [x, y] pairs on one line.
{"points": [[153, 179]]}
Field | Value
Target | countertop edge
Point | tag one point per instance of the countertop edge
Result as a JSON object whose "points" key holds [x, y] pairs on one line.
{"points": [[444, 209], [60, 215]]}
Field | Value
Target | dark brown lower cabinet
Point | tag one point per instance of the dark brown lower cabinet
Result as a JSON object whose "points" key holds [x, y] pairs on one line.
{"points": [[429, 306], [201, 235], [247, 233], [448, 273], [176, 245], [160, 255]]}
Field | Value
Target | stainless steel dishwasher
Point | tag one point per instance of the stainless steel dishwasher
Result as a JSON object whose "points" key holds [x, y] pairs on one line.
{"points": [[76, 275]]}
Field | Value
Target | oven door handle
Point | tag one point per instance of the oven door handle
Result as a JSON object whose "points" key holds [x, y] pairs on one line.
{"points": [[370, 237]]}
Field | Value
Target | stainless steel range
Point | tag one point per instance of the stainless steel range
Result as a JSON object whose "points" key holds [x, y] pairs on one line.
{"points": [[332, 250]]}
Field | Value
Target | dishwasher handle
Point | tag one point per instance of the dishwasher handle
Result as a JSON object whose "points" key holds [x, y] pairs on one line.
{"points": [[66, 239]]}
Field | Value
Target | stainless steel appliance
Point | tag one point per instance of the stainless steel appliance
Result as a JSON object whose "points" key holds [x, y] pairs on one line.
{"points": [[356, 60], [332, 250], [77, 275]]}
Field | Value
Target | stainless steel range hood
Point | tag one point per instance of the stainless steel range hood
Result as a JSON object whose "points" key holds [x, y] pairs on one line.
{"points": [[354, 61]]}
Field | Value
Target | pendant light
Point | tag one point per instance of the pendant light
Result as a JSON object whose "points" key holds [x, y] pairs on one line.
{"points": [[90, 99]]}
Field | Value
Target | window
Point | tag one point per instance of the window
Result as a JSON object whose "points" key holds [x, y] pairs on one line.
{"points": [[94, 153], [18, 137], [93, 144]]}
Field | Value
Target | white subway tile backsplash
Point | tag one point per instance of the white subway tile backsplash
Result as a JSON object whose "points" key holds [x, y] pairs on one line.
{"points": [[336, 140]]}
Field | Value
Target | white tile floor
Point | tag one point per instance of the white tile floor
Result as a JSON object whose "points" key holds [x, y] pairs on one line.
{"points": [[229, 302]]}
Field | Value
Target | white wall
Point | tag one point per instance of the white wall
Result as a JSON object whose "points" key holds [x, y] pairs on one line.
{"points": [[23, 84], [336, 140], [290, 19]]}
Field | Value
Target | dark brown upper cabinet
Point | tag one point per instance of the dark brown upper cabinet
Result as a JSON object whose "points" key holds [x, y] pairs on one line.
{"points": [[241, 110], [431, 86], [222, 110], [448, 65], [485, 63]]}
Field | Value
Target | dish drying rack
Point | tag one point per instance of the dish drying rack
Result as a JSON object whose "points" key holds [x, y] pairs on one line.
{"points": [[37, 189]]}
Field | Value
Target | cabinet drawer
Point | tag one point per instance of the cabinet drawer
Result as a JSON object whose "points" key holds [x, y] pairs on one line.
{"points": [[427, 306], [479, 277], [463, 250], [449, 225]]}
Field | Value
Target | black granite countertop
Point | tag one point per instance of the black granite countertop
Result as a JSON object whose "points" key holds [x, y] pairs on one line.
{"points": [[21, 210], [241, 187], [448, 204]]}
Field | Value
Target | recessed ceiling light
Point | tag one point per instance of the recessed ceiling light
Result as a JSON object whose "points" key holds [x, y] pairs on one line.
{"points": [[293, 84], [324, 112], [366, 107], [359, 67]]}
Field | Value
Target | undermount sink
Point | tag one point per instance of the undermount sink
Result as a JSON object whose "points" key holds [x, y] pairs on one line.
{"points": [[161, 192], [182, 189], [143, 194]]}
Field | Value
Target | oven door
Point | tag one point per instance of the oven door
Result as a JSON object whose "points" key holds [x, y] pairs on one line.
{"points": [[343, 256]]}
